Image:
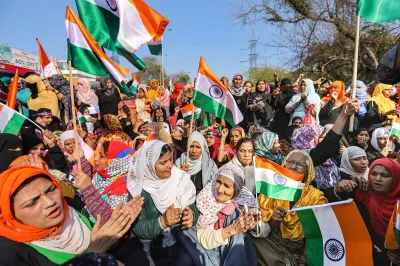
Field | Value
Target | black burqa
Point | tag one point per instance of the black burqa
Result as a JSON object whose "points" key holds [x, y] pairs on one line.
{"points": [[8, 143]]}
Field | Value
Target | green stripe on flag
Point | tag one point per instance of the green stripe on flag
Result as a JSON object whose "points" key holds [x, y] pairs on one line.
{"points": [[204, 102], [155, 49], [14, 124], [278, 192], [379, 10], [85, 60], [314, 240]]}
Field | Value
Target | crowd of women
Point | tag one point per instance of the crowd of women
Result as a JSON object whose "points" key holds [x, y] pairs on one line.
{"points": [[144, 187]]}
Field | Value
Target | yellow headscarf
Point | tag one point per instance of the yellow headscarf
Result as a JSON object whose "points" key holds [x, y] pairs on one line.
{"points": [[384, 104], [291, 226]]}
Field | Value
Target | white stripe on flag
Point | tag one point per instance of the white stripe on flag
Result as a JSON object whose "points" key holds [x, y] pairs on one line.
{"points": [[330, 230], [5, 116], [268, 176], [113, 71]]}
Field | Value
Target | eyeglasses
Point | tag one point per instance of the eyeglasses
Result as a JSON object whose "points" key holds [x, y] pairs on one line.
{"points": [[296, 164]]}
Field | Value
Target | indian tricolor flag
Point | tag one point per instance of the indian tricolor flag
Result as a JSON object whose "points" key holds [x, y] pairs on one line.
{"points": [[277, 182], [392, 240], [135, 83], [155, 47], [10, 120], [187, 112], [47, 68], [86, 55], [213, 97], [395, 128], [335, 235], [122, 25]]}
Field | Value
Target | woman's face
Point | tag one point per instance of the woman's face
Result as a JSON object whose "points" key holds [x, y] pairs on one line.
{"points": [[382, 142], [161, 91], [275, 147], [225, 188], [109, 84], [235, 137], [297, 163], [141, 93], [154, 85], [195, 150], [164, 166], [39, 204], [86, 112], [245, 153], [237, 81], [359, 164], [303, 87], [324, 89], [261, 86], [387, 92], [248, 87], [210, 139], [69, 146], [380, 178], [298, 123], [38, 150], [363, 136], [101, 160]]}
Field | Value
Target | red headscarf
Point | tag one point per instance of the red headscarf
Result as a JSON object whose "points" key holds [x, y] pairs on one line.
{"points": [[178, 88], [380, 206], [214, 149], [10, 228]]}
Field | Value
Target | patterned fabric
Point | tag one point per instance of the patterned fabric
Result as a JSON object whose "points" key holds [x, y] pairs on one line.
{"points": [[61, 84], [112, 122], [208, 204], [264, 144]]}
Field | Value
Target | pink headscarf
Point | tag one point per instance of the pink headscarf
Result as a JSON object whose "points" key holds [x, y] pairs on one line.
{"points": [[166, 100], [85, 94]]}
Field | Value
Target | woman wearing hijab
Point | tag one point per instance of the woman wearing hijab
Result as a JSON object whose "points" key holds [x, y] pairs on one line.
{"points": [[361, 138], [108, 97], [10, 149], [227, 151], [169, 201], [279, 99], [39, 228], [306, 101], [67, 139], [259, 105], [153, 90], [143, 105], [267, 146], [163, 99], [221, 205], [213, 142], [240, 96], [201, 167], [61, 84], [85, 94], [380, 108], [362, 97], [281, 239], [379, 147], [41, 96], [307, 138], [377, 204], [354, 163], [332, 103]]}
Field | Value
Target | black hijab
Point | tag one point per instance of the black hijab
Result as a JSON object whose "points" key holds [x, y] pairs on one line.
{"points": [[29, 142], [103, 87], [8, 142]]}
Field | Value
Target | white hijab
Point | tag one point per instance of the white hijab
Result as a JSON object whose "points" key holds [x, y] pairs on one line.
{"points": [[379, 133], [195, 165], [177, 189], [348, 154]]}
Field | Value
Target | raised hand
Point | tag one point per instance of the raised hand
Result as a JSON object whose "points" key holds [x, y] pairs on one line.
{"points": [[82, 180]]}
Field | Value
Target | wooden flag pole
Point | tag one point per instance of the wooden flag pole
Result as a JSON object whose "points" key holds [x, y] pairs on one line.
{"points": [[71, 87], [162, 63], [355, 68], [190, 133]]}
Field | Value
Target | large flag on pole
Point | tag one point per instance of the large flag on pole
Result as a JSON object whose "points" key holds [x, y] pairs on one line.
{"points": [[12, 91], [379, 10], [213, 97], [86, 55], [47, 68], [277, 182], [335, 234], [122, 26]]}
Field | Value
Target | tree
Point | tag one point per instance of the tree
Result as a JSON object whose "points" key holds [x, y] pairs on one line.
{"points": [[180, 77], [152, 70], [267, 74], [320, 34]]}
